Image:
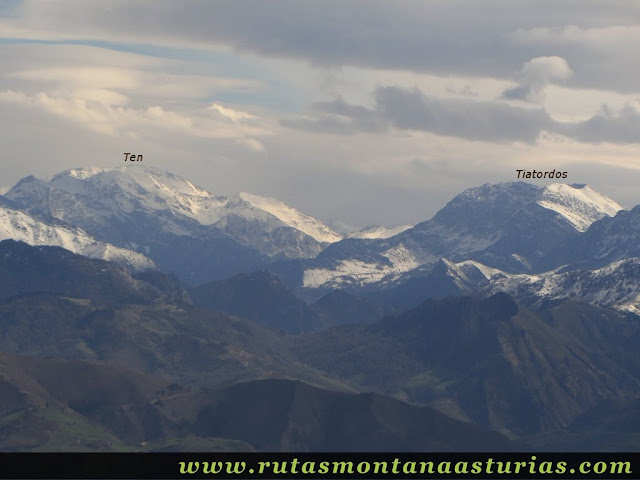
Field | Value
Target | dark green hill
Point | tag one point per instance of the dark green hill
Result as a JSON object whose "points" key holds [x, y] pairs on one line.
{"points": [[489, 361], [53, 404], [188, 344], [611, 426], [293, 416]]}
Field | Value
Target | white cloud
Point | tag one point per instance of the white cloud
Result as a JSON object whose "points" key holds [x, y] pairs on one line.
{"points": [[535, 75], [146, 97], [252, 144], [231, 114], [118, 120]]}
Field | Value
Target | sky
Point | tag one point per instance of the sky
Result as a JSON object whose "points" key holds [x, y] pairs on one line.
{"points": [[356, 112]]}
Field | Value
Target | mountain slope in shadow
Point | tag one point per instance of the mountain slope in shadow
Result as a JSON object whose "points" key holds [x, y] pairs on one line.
{"points": [[54, 404]]}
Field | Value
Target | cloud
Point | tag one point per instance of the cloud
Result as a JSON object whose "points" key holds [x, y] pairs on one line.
{"points": [[412, 35], [252, 144], [607, 126], [465, 91], [338, 117], [535, 75], [488, 121], [118, 120], [144, 82], [97, 77], [473, 120], [601, 54], [230, 113], [410, 109], [142, 97]]}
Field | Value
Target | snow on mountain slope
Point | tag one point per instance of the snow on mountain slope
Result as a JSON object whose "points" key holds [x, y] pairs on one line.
{"points": [[378, 231], [18, 225], [487, 272], [292, 217], [4, 190], [616, 285], [579, 204], [136, 187], [147, 188], [356, 272]]}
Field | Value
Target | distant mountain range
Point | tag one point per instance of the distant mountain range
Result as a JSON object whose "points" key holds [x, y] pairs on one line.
{"points": [[513, 237]]}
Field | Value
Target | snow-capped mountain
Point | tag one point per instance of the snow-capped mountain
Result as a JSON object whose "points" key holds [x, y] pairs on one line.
{"points": [[151, 189], [17, 225], [512, 227], [4, 190], [163, 215]]}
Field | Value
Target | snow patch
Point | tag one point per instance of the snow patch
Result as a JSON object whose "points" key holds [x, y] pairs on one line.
{"points": [[361, 273], [293, 218], [17, 225], [488, 272], [378, 231], [615, 285], [579, 204]]}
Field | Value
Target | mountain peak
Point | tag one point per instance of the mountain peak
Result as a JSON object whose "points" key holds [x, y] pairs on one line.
{"points": [[579, 204], [479, 213], [83, 173], [133, 179], [493, 191]]}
